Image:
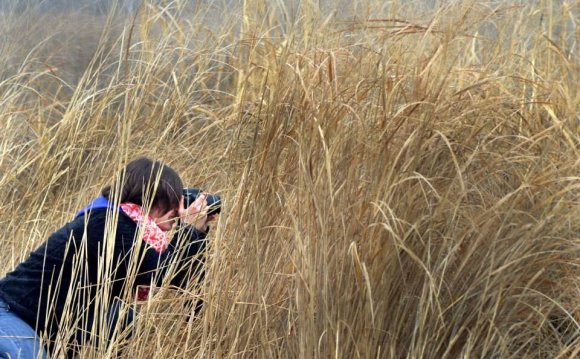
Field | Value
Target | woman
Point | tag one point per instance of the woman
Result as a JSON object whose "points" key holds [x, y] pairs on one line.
{"points": [[106, 253]]}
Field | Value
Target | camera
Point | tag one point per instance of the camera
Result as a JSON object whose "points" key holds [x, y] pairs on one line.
{"points": [[214, 202]]}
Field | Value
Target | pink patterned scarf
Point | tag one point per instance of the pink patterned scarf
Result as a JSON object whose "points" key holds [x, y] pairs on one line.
{"points": [[152, 235]]}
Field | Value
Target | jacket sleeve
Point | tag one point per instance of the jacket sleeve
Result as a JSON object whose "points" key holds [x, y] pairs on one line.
{"points": [[179, 264]]}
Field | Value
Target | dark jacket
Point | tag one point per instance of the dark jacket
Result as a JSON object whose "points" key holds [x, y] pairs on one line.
{"points": [[51, 281]]}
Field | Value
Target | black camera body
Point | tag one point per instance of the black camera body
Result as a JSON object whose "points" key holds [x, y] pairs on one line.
{"points": [[214, 202]]}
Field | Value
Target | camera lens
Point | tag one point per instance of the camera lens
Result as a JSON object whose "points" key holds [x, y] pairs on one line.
{"points": [[214, 202]]}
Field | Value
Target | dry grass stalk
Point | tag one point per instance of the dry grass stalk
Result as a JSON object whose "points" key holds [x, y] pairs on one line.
{"points": [[398, 185]]}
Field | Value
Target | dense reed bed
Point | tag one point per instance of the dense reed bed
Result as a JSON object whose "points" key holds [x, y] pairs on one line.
{"points": [[401, 180]]}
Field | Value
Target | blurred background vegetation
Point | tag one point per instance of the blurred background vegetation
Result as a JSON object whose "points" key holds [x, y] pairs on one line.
{"points": [[401, 178]]}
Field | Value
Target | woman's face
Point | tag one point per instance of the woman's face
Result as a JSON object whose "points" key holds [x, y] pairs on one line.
{"points": [[164, 219]]}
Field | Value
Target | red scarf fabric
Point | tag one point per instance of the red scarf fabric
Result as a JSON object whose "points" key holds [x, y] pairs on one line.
{"points": [[152, 235]]}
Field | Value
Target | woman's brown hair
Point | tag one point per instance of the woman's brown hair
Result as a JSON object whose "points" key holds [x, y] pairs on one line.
{"points": [[144, 180]]}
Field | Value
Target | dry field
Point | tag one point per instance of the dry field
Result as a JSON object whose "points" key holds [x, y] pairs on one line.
{"points": [[401, 180]]}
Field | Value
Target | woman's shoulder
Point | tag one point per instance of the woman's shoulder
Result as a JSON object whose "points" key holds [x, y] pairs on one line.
{"points": [[102, 217], [94, 226]]}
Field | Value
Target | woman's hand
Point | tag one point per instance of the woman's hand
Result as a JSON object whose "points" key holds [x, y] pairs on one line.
{"points": [[196, 213]]}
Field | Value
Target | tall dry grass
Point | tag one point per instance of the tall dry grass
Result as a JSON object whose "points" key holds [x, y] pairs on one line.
{"points": [[401, 180]]}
